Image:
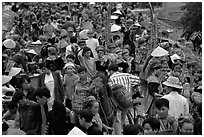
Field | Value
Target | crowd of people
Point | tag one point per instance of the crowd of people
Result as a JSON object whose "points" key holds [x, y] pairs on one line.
{"points": [[60, 75]]}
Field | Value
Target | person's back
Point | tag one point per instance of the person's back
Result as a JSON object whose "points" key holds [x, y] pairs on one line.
{"points": [[177, 103], [57, 119], [30, 117]]}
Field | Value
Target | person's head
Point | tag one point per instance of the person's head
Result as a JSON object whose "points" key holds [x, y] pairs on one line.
{"points": [[82, 43], [70, 31], [100, 51], [49, 20], [86, 52], [70, 58], [162, 107], [112, 68], [90, 33], [155, 68], [82, 72], [126, 54], [12, 107], [73, 39], [172, 84], [42, 94], [85, 117], [25, 82], [133, 130], [49, 66], [151, 126], [19, 98], [69, 68], [177, 68], [92, 105], [186, 125]]}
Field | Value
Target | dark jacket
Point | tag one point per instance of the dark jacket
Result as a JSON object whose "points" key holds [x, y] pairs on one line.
{"points": [[30, 117], [57, 119], [58, 88]]}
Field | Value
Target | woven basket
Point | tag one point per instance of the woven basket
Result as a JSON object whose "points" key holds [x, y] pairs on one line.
{"points": [[121, 96]]}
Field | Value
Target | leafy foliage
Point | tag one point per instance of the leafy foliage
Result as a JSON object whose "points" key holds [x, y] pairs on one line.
{"points": [[192, 19]]}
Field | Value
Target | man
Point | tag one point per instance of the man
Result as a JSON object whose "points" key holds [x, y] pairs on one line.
{"points": [[28, 115], [85, 120], [55, 117], [178, 104], [92, 43], [125, 80]]}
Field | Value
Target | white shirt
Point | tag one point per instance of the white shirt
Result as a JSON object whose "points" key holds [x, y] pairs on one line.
{"points": [[92, 43], [49, 82], [178, 104]]}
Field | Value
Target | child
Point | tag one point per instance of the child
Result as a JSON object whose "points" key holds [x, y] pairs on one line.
{"points": [[151, 126], [186, 126], [167, 122], [69, 83]]}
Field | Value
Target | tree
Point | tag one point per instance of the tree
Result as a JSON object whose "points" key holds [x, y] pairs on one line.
{"points": [[192, 18]]}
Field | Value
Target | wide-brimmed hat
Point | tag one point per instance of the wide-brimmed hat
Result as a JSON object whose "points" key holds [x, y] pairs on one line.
{"points": [[158, 52], [14, 71], [173, 82], [6, 79], [9, 43]]}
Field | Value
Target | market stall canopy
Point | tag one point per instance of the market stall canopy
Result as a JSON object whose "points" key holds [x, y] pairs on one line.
{"points": [[158, 52]]}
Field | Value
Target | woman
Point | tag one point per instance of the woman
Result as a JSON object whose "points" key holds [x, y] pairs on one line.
{"points": [[130, 60], [82, 91], [93, 105], [27, 89], [88, 62], [153, 88], [177, 72], [52, 80], [101, 64]]}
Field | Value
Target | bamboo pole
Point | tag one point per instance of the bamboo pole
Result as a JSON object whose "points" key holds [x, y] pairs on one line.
{"points": [[153, 32], [108, 35]]}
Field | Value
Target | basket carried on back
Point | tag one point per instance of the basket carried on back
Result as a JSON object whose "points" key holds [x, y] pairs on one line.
{"points": [[121, 96]]}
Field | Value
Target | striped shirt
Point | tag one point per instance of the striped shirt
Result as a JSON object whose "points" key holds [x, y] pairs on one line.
{"points": [[124, 79]]}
